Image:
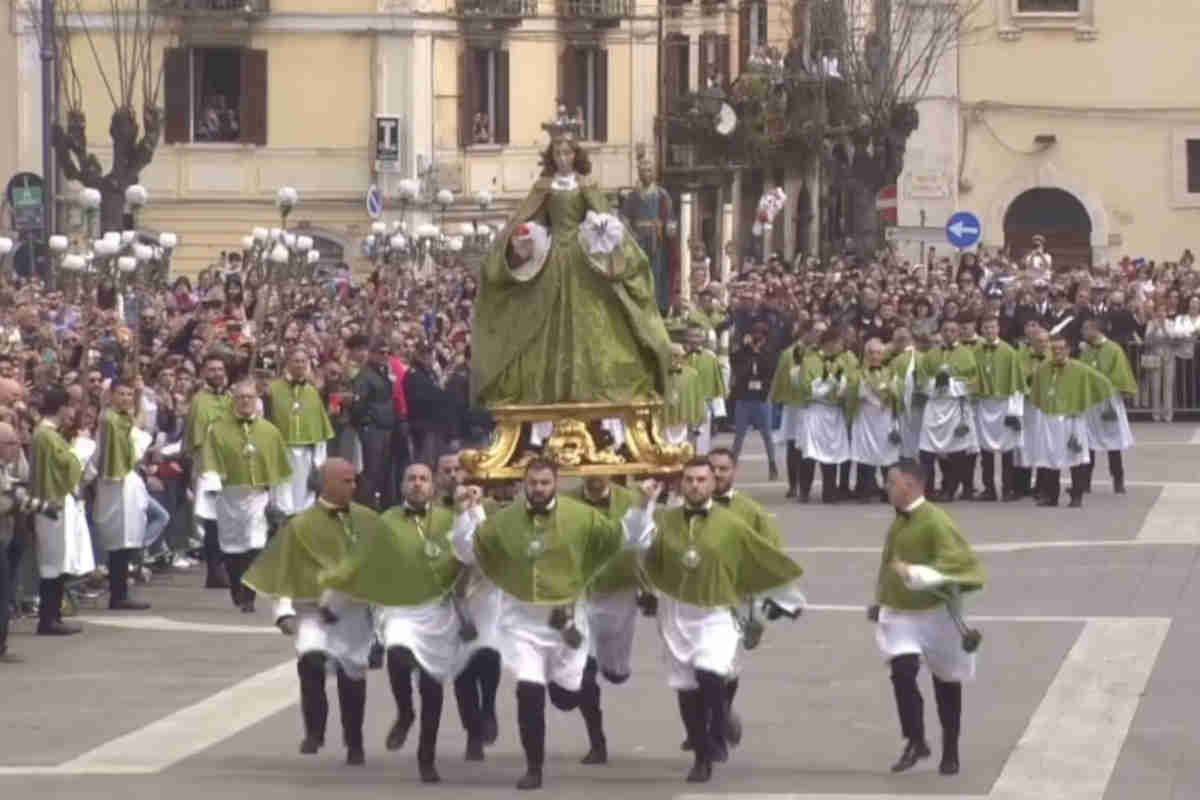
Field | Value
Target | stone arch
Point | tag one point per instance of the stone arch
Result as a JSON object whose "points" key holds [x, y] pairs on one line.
{"points": [[1047, 176], [1056, 214]]}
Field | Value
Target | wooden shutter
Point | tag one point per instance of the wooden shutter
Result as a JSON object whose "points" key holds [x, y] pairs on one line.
{"points": [[465, 62], [723, 58], [764, 18], [177, 100], [502, 95], [744, 34], [252, 110], [600, 93], [670, 74], [568, 71]]}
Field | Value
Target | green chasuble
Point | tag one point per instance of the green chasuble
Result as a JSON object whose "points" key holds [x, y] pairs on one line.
{"points": [[622, 571], [206, 409], [547, 559], [116, 455], [818, 364], [708, 369], [882, 381], [959, 362], [246, 453], [1068, 389], [733, 561], [567, 333], [758, 518], [784, 390], [999, 369], [683, 404], [1029, 361], [1110, 360], [312, 542], [56, 470], [299, 413], [927, 537], [405, 561]]}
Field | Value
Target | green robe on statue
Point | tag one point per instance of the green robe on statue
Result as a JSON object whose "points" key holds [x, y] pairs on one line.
{"points": [[927, 537], [312, 542], [708, 370], [567, 334], [734, 562], [683, 404], [577, 542], [406, 561]]}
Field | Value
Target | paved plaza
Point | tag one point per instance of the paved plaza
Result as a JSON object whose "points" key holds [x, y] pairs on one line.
{"points": [[1088, 687]]}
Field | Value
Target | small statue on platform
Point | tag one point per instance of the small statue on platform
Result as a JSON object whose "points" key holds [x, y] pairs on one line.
{"points": [[649, 210], [566, 311]]}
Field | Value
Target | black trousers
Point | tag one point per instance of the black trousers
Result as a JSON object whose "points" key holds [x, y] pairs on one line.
{"points": [[589, 701], [865, 484], [911, 708], [531, 716], [401, 457], [50, 600], [475, 691], [314, 706], [118, 575], [806, 473], [375, 482], [237, 564], [705, 712], [1116, 467], [988, 461], [1050, 482], [213, 562], [954, 467], [400, 664], [792, 464]]}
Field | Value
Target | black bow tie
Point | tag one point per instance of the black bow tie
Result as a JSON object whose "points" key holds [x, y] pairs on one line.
{"points": [[987, 346], [448, 502], [337, 511], [699, 511], [723, 499], [538, 510], [1038, 358], [604, 502], [296, 384], [415, 511]]}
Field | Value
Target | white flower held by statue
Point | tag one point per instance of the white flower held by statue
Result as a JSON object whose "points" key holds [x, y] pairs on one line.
{"points": [[601, 233]]}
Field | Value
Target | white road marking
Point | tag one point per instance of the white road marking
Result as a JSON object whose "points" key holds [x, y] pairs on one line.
{"points": [[1174, 516], [173, 626], [1193, 538], [1196, 436], [782, 485], [1073, 740]]}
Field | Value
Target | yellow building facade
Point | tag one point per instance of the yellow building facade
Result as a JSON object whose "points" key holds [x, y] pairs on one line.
{"points": [[293, 92], [1081, 120]]}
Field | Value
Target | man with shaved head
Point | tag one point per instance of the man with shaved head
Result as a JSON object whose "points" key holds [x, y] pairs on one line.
{"points": [[313, 542]]}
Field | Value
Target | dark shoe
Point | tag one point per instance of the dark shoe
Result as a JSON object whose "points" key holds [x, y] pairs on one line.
{"points": [[987, 496], [1011, 496], [803, 498], [1076, 501], [355, 756], [429, 773], [10, 658], [474, 750], [791, 493], [128, 605], [399, 732], [248, 606], [311, 745], [733, 728], [1046, 502], [949, 765], [597, 755], [913, 752], [216, 580], [772, 473], [57, 629], [700, 772], [687, 745], [489, 730], [1119, 486], [969, 494], [532, 779], [719, 751]]}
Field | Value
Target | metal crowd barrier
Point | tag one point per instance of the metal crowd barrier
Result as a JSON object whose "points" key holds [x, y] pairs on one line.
{"points": [[1180, 376]]}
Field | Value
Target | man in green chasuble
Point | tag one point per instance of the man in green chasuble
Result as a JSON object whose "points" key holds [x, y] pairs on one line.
{"points": [[542, 555], [926, 565], [244, 460], [703, 563], [1109, 426], [566, 311], [406, 569], [311, 543], [295, 407], [209, 404]]}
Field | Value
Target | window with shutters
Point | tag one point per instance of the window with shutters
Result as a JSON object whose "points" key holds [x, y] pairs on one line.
{"points": [[583, 88], [484, 92], [1044, 6], [1193, 166], [714, 59], [676, 71], [1013, 17], [215, 95], [752, 29]]}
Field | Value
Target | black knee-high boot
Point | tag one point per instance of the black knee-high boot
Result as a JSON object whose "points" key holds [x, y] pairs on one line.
{"points": [[792, 463], [843, 476], [829, 488], [692, 712], [118, 577], [531, 721], [466, 695], [1088, 470], [1007, 474], [593, 718], [314, 705], [948, 695], [489, 683], [716, 710], [1078, 484], [400, 663], [909, 704], [432, 697], [806, 473], [1116, 468], [352, 703], [217, 577], [966, 474], [50, 601], [928, 464], [987, 471]]}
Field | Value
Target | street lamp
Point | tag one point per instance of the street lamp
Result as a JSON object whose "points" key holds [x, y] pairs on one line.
{"points": [[286, 199], [136, 197], [89, 200]]}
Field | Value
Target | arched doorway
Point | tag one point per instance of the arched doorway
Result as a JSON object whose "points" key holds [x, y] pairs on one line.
{"points": [[1057, 215]]}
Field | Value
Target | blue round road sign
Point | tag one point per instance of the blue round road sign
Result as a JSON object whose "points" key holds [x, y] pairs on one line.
{"points": [[374, 202], [963, 230]]}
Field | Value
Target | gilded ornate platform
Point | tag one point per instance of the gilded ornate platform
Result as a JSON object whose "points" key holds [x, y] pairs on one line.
{"points": [[573, 443]]}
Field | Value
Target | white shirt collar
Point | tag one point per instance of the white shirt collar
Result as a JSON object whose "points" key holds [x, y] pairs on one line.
{"points": [[564, 183], [914, 505]]}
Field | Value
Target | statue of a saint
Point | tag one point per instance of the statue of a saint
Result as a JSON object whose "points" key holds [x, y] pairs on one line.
{"points": [[648, 208], [565, 311], [1037, 261]]}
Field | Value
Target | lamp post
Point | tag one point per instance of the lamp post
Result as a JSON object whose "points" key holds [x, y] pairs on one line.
{"points": [[444, 199], [136, 197], [89, 200]]}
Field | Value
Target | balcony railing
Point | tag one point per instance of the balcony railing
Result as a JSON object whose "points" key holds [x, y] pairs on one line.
{"points": [[214, 8], [595, 9], [497, 9]]}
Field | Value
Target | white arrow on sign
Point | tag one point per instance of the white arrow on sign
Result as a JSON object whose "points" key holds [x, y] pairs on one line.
{"points": [[959, 228]]}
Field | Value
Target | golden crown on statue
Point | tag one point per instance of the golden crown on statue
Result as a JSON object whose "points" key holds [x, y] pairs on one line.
{"points": [[564, 126]]}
